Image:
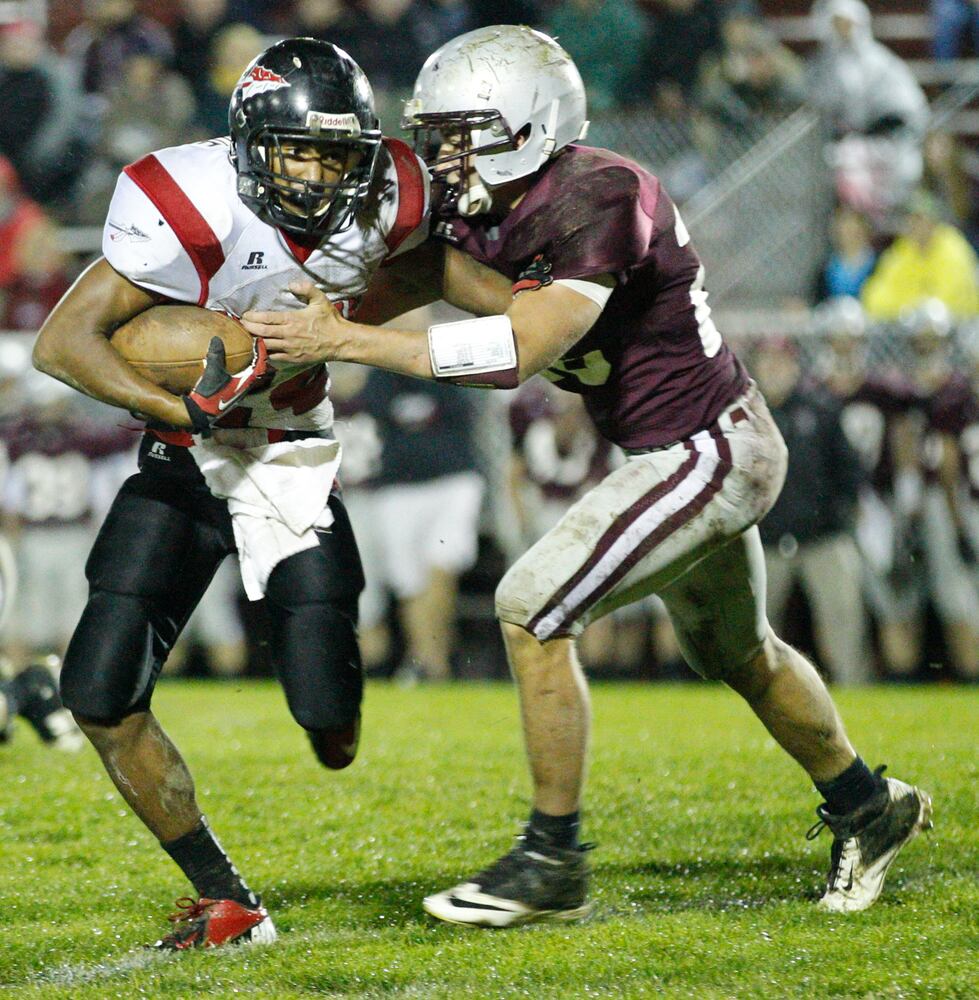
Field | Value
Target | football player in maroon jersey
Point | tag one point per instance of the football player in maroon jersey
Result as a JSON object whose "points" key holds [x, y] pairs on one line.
{"points": [[607, 301]]}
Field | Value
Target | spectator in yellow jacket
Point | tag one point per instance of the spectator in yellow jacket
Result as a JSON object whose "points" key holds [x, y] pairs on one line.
{"points": [[930, 259]]}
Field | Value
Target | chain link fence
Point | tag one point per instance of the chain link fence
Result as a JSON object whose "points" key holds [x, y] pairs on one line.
{"points": [[760, 226], [755, 198], [825, 349]]}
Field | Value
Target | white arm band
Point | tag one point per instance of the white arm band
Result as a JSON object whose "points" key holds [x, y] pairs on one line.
{"points": [[599, 294], [472, 347]]}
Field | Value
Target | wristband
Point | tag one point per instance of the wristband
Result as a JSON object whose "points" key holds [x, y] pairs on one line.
{"points": [[472, 347], [199, 419]]}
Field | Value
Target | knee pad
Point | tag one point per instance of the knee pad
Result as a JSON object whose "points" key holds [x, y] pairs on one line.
{"points": [[511, 603], [317, 658], [336, 748], [113, 658]]}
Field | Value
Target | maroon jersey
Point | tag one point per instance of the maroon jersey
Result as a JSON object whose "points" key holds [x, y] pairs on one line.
{"points": [[968, 439], [653, 369], [868, 414], [949, 411], [51, 463], [561, 452]]}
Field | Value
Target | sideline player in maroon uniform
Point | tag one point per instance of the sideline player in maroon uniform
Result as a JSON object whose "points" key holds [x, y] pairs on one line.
{"points": [[946, 399], [876, 402], [609, 301]]}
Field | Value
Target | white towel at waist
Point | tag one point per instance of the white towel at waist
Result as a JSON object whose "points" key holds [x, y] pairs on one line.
{"points": [[277, 495]]}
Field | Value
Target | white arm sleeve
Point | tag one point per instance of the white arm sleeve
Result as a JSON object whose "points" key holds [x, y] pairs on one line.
{"points": [[599, 294], [142, 247]]}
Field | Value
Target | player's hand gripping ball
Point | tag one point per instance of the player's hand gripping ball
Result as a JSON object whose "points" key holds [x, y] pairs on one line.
{"points": [[201, 354]]}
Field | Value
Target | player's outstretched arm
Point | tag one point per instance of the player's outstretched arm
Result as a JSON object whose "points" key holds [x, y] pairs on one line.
{"points": [[544, 322], [548, 321], [73, 345], [410, 281], [428, 273]]}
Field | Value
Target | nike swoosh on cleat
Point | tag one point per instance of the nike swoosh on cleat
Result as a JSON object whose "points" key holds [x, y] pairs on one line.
{"points": [[466, 904]]}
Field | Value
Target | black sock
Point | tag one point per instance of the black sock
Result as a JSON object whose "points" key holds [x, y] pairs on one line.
{"points": [[202, 859], [553, 831], [848, 790]]}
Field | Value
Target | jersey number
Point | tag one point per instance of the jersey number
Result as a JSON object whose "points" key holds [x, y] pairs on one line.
{"points": [[709, 335], [590, 369], [302, 393]]}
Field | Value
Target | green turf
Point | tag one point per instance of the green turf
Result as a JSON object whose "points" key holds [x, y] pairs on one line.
{"points": [[704, 882]]}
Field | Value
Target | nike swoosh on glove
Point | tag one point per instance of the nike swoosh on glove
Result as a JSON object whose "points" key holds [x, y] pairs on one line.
{"points": [[217, 390]]}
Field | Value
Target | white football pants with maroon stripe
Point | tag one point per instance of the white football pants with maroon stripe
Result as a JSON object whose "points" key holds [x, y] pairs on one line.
{"points": [[677, 522]]}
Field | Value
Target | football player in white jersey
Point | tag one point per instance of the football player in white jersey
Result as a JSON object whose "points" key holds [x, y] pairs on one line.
{"points": [[306, 188]]}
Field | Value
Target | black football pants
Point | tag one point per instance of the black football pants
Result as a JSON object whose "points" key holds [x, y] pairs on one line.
{"points": [[154, 557]]}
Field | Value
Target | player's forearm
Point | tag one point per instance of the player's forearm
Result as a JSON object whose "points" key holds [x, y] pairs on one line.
{"points": [[402, 351], [73, 346], [86, 362], [409, 352]]}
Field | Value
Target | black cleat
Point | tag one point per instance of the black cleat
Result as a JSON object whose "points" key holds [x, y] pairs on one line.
{"points": [[530, 883]]}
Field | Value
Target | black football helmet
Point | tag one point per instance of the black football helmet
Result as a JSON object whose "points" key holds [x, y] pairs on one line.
{"points": [[306, 95]]}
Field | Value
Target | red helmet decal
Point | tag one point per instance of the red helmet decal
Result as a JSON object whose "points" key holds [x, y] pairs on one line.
{"points": [[259, 79]]}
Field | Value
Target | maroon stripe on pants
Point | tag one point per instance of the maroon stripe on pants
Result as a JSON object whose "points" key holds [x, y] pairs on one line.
{"points": [[615, 529], [661, 531]]}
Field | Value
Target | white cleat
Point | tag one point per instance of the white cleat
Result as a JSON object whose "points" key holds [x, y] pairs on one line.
{"points": [[866, 841]]}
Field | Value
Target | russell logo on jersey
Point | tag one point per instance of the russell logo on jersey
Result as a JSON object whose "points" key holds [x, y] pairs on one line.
{"points": [[255, 261]]}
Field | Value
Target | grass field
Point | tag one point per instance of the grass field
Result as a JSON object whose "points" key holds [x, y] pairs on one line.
{"points": [[704, 882]]}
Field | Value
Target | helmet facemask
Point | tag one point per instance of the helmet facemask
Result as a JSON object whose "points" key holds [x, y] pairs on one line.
{"points": [[303, 207], [447, 140]]}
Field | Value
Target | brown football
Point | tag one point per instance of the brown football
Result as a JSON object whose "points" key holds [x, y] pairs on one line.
{"points": [[167, 344]]}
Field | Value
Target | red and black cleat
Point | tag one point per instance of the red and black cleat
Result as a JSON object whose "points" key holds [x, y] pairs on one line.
{"points": [[210, 923]]}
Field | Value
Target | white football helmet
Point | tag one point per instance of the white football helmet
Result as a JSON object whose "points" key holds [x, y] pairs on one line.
{"points": [[508, 93]]}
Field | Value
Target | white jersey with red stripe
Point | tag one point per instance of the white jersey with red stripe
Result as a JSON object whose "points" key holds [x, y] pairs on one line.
{"points": [[177, 227]]}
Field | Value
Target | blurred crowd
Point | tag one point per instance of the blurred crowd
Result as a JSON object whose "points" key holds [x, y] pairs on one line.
{"points": [[874, 544], [872, 548], [877, 527], [123, 78]]}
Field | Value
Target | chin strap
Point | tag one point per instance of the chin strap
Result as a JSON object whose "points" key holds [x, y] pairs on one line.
{"points": [[475, 200], [550, 130]]}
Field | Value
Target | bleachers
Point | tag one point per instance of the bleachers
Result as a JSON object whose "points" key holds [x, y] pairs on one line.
{"points": [[905, 27]]}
